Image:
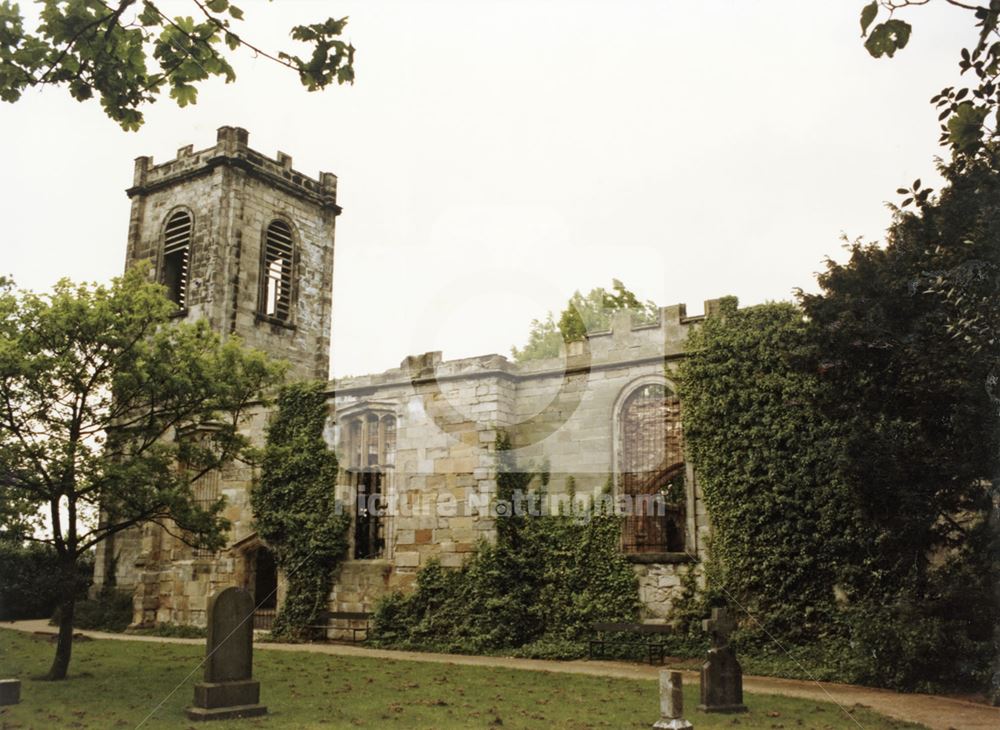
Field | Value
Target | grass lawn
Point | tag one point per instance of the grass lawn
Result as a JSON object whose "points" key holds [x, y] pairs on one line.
{"points": [[116, 684]]}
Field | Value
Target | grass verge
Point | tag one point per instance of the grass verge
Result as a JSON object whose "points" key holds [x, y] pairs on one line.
{"points": [[117, 684]]}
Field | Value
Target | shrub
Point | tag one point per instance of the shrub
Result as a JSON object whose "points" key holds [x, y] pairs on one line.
{"points": [[30, 582], [111, 610]]}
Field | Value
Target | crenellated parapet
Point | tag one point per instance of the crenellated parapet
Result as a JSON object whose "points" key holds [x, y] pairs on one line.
{"points": [[625, 343], [232, 150]]}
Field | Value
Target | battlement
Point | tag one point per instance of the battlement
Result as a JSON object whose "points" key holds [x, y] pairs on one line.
{"points": [[232, 150], [625, 343]]}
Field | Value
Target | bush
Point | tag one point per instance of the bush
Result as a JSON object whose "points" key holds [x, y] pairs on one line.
{"points": [[176, 631], [30, 580], [110, 611]]}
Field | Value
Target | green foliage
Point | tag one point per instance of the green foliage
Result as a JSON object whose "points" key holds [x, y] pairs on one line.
{"points": [[921, 442], [583, 315], [766, 463], [110, 611], [846, 450], [920, 437], [535, 591], [130, 52], [173, 631], [296, 511], [30, 580], [969, 116], [105, 394]]}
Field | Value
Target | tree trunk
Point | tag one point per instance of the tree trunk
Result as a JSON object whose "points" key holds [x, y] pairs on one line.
{"points": [[64, 647], [994, 523]]}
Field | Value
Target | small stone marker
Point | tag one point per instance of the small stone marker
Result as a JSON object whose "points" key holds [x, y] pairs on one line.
{"points": [[672, 703], [721, 675], [228, 690], [10, 691]]}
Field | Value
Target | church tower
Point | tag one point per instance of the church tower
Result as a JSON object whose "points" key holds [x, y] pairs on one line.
{"points": [[244, 241]]}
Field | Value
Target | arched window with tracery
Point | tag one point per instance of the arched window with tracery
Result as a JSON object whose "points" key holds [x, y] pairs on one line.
{"points": [[371, 454], [651, 470], [276, 272], [177, 257]]}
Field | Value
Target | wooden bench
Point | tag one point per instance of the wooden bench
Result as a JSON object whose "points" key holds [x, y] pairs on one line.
{"points": [[328, 617], [647, 638]]}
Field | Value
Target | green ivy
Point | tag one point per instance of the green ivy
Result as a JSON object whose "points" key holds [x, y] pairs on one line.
{"points": [[295, 507], [767, 464], [798, 461], [534, 592]]}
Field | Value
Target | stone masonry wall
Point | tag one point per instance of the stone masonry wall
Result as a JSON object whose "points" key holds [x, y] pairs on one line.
{"points": [[233, 194]]}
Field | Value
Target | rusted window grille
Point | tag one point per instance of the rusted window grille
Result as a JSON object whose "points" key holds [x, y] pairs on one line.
{"points": [[177, 257], [651, 471], [263, 618], [276, 279]]}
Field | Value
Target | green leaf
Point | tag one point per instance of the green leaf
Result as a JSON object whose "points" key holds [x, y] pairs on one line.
{"points": [[965, 128], [868, 13], [184, 94], [217, 6], [888, 37]]}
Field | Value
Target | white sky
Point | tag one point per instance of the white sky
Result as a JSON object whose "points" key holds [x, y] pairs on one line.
{"points": [[495, 156]]}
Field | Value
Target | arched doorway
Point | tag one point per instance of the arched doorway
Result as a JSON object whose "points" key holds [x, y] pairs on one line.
{"points": [[262, 582]]}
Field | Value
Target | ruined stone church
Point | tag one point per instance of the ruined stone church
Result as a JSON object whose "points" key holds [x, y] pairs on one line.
{"points": [[246, 242]]}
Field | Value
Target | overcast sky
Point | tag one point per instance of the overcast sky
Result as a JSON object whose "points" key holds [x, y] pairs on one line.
{"points": [[495, 156]]}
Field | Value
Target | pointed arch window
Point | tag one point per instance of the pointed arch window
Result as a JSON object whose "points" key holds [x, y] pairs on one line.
{"points": [[177, 257], [276, 273], [652, 471]]}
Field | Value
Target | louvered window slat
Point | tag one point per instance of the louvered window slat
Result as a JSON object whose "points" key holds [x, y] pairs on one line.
{"points": [[276, 284], [177, 256]]}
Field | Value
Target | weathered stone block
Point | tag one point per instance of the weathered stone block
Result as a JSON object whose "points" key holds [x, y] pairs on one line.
{"points": [[211, 695], [452, 560], [407, 560], [10, 691]]}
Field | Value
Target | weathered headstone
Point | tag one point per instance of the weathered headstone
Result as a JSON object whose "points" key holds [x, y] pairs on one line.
{"points": [[721, 675], [10, 691], [672, 703], [228, 690]]}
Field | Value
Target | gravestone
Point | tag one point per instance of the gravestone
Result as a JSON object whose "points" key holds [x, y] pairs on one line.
{"points": [[672, 703], [229, 689], [10, 691], [721, 675]]}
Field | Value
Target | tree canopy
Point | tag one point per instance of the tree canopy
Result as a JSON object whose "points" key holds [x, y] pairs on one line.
{"points": [[846, 450], [129, 52], [969, 115], [109, 411], [582, 315]]}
